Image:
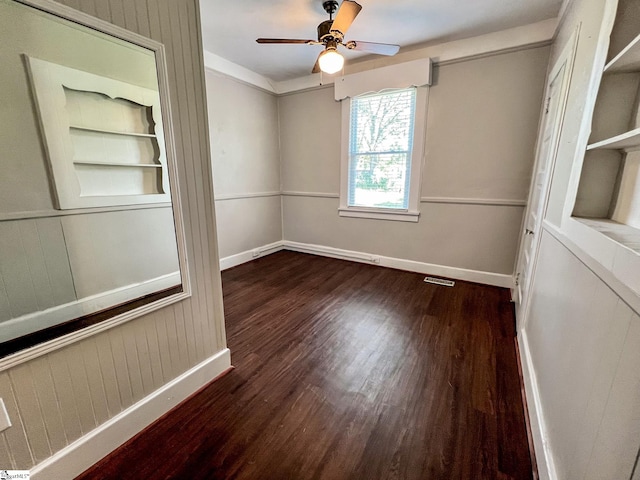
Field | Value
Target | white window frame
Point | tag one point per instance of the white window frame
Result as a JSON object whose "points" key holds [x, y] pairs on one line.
{"points": [[410, 214]]}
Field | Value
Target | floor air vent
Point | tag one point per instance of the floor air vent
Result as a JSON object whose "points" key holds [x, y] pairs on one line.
{"points": [[440, 281]]}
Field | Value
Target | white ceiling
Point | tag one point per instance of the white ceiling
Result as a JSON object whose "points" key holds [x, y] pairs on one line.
{"points": [[229, 29]]}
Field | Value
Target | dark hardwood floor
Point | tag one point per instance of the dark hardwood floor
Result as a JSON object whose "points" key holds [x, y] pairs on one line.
{"points": [[346, 371]]}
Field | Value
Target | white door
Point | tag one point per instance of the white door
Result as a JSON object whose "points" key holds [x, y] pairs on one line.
{"points": [[553, 114]]}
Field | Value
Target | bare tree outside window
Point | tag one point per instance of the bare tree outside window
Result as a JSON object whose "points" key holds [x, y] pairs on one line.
{"points": [[380, 147]]}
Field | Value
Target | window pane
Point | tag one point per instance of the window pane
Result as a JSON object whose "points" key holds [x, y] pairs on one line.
{"points": [[380, 180], [380, 149]]}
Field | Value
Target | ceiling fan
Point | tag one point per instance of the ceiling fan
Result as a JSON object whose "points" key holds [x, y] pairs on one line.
{"points": [[331, 34]]}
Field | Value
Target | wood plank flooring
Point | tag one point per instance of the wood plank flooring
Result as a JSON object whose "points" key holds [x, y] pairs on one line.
{"points": [[346, 371]]}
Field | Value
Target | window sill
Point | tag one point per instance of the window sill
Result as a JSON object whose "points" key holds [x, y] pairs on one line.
{"points": [[380, 214]]}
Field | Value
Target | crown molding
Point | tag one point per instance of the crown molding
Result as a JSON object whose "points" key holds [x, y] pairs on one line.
{"points": [[526, 36], [221, 65]]}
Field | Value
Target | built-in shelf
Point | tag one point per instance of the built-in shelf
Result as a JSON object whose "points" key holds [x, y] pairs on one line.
{"points": [[625, 141], [111, 132], [619, 232], [116, 164], [628, 60], [608, 196], [605, 222], [104, 138]]}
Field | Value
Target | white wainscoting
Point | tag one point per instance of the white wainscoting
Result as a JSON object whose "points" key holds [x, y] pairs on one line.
{"points": [[78, 456], [544, 458], [487, 278]]}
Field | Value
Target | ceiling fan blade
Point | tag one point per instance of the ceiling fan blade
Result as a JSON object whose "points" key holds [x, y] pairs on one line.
{"points": [[379, 48], [347, 13], [316, 67], [285, 40]]}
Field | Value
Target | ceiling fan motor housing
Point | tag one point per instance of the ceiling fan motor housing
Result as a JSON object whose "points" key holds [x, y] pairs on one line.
{"points": [[324, 30], [325, 35], [331, 35]]}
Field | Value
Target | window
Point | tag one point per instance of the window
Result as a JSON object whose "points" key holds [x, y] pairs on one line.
{"points": [[382, 151]]}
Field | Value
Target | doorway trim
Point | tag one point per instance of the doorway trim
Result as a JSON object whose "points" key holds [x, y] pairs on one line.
{"points": [[565, 60]]}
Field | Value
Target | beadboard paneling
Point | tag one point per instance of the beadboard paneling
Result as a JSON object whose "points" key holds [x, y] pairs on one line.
{"points": [[34, 267], [585, 348], [56, 398]]}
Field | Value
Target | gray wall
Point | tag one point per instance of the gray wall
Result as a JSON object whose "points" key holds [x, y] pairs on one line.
{"points": [[582, 336], [61, 396], [245, 152], [482, 119]]}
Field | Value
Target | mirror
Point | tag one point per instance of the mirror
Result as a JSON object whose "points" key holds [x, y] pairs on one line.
{"points": [[90, 235]]}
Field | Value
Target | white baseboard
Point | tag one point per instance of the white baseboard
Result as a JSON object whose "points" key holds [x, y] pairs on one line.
{"points": [[32, 322], [544, 455], [487, 278], [92, 447], [248, 255]]}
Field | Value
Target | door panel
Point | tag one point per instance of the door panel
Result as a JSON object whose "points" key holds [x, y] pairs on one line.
{"points": [[553, 114]]}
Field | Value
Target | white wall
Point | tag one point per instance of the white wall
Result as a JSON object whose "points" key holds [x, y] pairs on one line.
{"points": [[243, 124], [482, 118], [584, 342], [581, 339]]}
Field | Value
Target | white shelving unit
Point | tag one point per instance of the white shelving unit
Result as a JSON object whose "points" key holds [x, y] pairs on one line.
{"points": [[116, 164], [608, 199], [111, 132], [628, 60], [104, 138], [626, 141]]}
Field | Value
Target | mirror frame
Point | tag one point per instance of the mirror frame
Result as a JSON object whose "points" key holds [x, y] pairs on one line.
{"points": [[39, 343]]}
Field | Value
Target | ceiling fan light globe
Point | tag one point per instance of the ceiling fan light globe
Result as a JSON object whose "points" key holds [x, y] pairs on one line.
{"points": [[331, 62]]}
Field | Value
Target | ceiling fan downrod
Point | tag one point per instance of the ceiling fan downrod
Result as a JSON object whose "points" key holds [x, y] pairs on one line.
{"points": [[330, 6], [324, 29]]}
